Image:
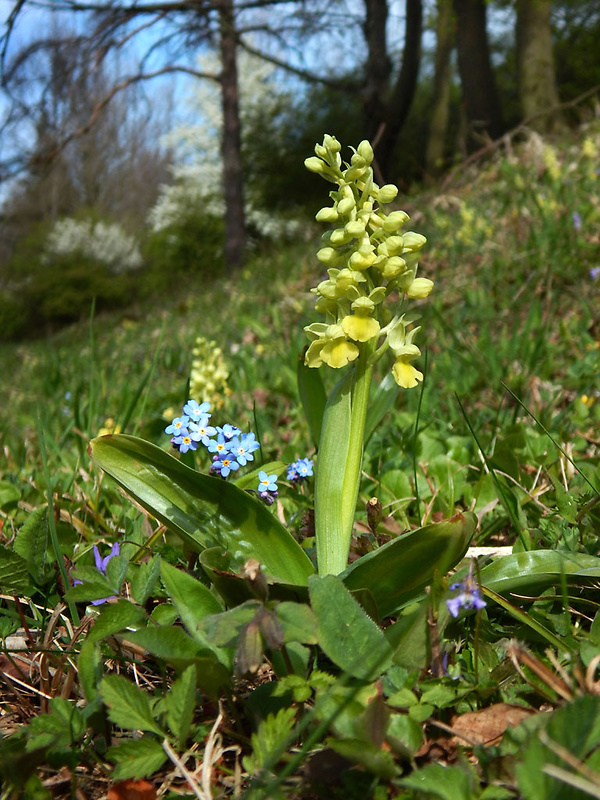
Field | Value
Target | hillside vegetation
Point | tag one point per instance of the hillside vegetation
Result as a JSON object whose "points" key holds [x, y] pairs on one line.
{"points": [[501, 701]]}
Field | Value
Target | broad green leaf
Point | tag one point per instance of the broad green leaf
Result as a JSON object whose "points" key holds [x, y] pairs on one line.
{"points": [[144, 580], [249, 480], [192, 599], [14, 575], [175, 647], [31, 542], [115, 617], [94, 585], [404, 735], [410, 637], [203, 510], [128, 705], [8, 493], [223, 629], [60, 728], [136, 758], [346, 634], [400, 569], [533, 572], [298, 621], [89, 669], [313, 398], [181, 702]]}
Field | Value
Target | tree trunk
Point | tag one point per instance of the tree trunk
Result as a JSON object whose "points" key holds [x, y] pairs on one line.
{"points": [[444, 29], [231, 146], [378, 67], [535, 64], [404, 90], [480, 96]]}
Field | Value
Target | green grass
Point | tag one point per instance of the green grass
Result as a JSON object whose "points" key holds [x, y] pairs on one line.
{"points": [[505, 424]]}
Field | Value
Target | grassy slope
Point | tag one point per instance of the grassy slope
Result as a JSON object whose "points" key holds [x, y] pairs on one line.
{"points": [[514, 303]]}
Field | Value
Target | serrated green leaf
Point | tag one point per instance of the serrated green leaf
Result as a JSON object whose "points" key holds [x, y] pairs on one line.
{"points": [[192, 599], [346, 634], [116, 617], [128, 705], [136, 758], [180, 702], [203, 510], [94, 585], [445, 783], [268, 742], [400, 569], [63, 726], [14, 575], [31, 542]]}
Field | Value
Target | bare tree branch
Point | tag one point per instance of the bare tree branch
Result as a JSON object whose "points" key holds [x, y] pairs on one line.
{"points": [[45, 157]]}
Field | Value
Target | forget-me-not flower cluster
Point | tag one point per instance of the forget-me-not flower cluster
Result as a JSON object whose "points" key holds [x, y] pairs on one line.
{"points": [[230, 448], [297, 470]]}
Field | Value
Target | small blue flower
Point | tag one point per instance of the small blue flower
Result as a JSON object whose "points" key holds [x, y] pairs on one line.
{"points": [[242, 448], [303, 468], [594, 273], [220, 445], [228, 431], [576, 217], [187, 441], [203, 429], [292, 474], [267, 483], [179, 426], [468, 598], [224, 465], [195, 410]]}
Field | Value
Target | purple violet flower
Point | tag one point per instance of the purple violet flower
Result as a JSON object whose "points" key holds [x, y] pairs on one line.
{"points": [[468, 598]]}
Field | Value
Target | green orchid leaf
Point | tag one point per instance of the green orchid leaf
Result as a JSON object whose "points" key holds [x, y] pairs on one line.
{"points": [[533, 572], [400, 569], [312, 396], [203, 510]]}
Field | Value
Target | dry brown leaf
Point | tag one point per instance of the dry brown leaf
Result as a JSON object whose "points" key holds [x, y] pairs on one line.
{"points": [[132, 790], [488, 725]]}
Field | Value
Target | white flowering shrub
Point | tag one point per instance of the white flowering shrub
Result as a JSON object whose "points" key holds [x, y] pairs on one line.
{"points": [[198, 170], [106, 243]]}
